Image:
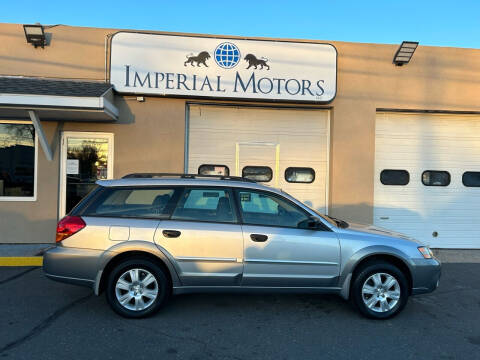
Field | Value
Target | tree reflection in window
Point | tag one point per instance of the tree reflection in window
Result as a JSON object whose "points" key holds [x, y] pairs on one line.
{"points": [[17, 159]]}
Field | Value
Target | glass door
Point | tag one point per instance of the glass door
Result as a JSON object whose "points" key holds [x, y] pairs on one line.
{"points": [[86, 157]]}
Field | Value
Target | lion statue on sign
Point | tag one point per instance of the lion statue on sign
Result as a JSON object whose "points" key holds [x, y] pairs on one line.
{"points": [[253, 61], [199, 59]]}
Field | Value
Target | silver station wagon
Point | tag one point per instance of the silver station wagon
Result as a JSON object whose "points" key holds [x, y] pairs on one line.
{"points": [[142, 238]]}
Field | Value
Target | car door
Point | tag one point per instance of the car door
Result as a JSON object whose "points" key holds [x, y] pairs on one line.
{"points": [[280, 250], [204, 237]]}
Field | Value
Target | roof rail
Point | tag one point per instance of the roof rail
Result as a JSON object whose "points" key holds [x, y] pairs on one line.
{"points": [[185, 176]]}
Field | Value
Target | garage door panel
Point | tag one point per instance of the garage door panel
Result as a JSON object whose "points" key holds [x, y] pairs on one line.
{"points": [[419, 142], [302, 137]]}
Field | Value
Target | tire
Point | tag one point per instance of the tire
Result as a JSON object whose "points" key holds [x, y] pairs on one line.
{"points": [[379, 290], [137, 288]]}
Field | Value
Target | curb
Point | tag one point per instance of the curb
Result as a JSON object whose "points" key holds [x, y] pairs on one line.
{"points": [[21, 261]]}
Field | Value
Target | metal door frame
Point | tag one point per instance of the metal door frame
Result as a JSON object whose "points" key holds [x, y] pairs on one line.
{"points": [[63, 161]]}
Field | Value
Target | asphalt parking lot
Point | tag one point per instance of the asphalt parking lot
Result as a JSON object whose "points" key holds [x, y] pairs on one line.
{"points": [[42, 319]]}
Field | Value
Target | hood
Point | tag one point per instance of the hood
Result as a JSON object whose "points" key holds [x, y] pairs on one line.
{"points": [[376, 230]]}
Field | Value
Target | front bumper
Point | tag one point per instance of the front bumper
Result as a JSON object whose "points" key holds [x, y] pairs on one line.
{"points": [[72, 265], [426, 275]]}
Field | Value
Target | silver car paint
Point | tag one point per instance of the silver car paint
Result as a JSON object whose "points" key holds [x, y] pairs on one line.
{"points": [[206, 254], [310, 260], [290, 257]]}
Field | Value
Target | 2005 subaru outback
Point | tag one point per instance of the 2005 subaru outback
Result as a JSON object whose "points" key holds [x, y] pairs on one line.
{"points": [[146, 236]]}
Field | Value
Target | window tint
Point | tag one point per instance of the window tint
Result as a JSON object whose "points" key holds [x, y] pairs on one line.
{"points": [[17, 160], [471, 178], [299, 175], [258, 173], [207, 169], [394, 177], [149, 203], [205, 205], [435, 178], [260, 208]]}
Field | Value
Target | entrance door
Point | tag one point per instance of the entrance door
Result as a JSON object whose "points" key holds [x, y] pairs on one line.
{"points": [[85, 158]]}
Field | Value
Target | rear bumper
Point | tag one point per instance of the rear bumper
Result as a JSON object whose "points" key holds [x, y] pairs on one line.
{"points": [[426, 276], [72, 265]]}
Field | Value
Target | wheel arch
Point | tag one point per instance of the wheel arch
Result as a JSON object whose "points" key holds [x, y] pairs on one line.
{"points": [[390, 257], [115, 256]]}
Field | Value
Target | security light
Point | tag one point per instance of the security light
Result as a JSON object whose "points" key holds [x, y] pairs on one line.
{"points": [[35, 35], [405, 52]]}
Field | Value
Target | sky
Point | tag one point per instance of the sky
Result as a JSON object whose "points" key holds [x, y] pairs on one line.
{"points": [[438, 23]]}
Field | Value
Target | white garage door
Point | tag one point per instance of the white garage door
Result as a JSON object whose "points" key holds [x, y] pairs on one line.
{"points": [[427, 177], [269, 140]]}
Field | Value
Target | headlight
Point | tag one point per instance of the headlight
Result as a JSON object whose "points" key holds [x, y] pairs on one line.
{"points": [[426, 252]]}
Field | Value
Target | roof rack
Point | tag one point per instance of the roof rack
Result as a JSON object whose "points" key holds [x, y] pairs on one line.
{"points": [[185, 176]]}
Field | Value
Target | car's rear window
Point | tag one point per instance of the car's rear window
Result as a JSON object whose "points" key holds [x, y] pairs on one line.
{"points": [[132, 202]]}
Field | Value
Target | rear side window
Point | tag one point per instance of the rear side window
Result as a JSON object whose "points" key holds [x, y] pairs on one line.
{"points": [[394, 177], [436, 178], [471, 179], [207, 169], [257, 173], [128, 202], [207, 204], [299, 175]]}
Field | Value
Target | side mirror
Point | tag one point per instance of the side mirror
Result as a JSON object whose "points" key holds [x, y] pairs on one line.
{"points": [[313, 222]]}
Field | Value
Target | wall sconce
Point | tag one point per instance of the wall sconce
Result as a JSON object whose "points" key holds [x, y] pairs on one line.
{"points": [[404, 52], [35, 35]]}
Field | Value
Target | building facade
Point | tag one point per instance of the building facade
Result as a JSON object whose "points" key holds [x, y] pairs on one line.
{"points": [[336, 124]]}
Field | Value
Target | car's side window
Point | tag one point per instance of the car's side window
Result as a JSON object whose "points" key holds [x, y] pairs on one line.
{"points": [[261, 208], [205, 204], [132, 202]]}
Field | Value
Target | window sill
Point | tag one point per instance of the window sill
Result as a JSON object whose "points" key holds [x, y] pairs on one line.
{"points": [[18, 198]]}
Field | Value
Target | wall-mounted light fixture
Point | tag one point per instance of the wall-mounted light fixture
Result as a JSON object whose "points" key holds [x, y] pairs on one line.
{"points": [[35, 35], [405, 52]]}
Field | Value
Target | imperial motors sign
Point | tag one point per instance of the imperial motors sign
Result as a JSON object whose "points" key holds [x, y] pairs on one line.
{"points": [[223, 68]]}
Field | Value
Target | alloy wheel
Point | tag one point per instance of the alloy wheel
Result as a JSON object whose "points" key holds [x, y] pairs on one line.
{"points": [[381, 292], [136, 289]]}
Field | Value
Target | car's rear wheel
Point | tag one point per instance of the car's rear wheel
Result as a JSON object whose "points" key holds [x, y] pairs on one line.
{"points": [[137, 288], [380, 290]]}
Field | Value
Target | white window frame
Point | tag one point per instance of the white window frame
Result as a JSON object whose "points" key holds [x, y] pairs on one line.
{"points": [[63, 162], [35, 170]]}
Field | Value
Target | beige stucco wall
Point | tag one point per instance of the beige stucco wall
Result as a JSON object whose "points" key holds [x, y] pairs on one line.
{"points": [[150, 135]]}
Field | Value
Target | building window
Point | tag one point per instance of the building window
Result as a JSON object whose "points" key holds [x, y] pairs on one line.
{"points": [[471, 178], [17, 161], [394, 177], [436, 178], [299, 175], [207, 169], [257, 173]]}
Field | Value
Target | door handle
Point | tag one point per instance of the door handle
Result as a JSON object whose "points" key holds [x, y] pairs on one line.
{"points": [[258, 237], [171, 233]]}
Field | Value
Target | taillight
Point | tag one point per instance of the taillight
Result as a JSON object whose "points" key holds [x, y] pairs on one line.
{"points": [[68, 226]]}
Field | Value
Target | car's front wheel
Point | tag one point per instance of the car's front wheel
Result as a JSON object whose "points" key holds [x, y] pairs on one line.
{"points": [[137, 288], [380, 290]]}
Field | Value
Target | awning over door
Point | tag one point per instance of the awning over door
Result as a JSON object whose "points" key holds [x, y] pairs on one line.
{"points": [[64, 100], [57, 100]]}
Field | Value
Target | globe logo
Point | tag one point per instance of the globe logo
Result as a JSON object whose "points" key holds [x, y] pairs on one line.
{"points": [[227, 55]]}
